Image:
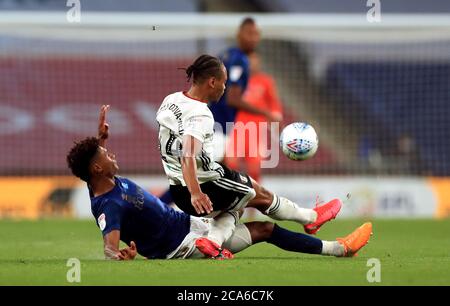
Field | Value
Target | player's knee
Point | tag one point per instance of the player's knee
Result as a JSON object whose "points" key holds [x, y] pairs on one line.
{"points": [[260, 231], [265, 230]]}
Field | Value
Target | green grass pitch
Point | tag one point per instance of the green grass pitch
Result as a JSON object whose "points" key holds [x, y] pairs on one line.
{"points": [[411, 252]]}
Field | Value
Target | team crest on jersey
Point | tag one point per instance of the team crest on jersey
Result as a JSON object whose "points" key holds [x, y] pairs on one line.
{"points": [[243, 179], [235, 73], [101, 222]]}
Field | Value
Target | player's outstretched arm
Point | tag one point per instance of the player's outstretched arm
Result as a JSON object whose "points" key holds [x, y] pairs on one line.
{"points": [[103, 127]]}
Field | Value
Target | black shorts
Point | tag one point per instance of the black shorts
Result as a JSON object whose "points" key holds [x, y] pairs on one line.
{"points": [[231, 192]]}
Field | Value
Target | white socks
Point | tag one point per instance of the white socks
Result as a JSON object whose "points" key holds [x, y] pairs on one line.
{"points": [[332, 248], [223, 226], [284, 209]]}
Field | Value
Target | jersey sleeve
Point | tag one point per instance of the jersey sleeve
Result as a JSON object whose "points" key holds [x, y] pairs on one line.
{"points": [[199, 126], [110, 217], [237, 72]]}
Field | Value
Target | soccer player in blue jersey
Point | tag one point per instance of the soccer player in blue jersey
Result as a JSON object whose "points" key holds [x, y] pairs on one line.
{"points": [[235, 60], [126, 212]]}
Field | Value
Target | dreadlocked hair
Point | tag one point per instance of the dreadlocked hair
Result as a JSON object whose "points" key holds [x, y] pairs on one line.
{"points": [[204, 67]]}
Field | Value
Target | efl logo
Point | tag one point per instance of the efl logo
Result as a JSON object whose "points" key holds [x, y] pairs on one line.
{"points": [[74, 13]]}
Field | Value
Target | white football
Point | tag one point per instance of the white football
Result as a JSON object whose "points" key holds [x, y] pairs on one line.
{"points": [[299, 141]]}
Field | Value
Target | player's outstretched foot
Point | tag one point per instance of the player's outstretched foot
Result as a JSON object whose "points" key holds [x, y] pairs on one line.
{"points": [[325, 213], [356, 240], [212, 250]]}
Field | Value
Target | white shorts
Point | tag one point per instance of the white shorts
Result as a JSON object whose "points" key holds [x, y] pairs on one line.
{"points": [[200, 227]]}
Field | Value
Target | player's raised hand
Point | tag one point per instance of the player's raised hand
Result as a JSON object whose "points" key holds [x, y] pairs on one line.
{"points": [[103, 127], [201, 203]]}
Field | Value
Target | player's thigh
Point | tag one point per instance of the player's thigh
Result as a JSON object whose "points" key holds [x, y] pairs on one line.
{"points": [[231, 192], [224, 195], [227, 195]]}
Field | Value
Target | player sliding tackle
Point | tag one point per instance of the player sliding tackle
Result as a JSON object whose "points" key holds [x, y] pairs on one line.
{"points": [[202, 187], [125, 211]]}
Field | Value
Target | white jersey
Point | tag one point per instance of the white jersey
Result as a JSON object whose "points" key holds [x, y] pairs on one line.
{"points": [[181, 115]]}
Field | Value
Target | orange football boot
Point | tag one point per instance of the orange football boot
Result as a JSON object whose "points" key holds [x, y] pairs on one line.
{"points": [[356, 240]]}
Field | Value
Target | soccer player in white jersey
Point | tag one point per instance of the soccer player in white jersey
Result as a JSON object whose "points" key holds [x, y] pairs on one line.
{"points": [[126, 212], [202, 187]]}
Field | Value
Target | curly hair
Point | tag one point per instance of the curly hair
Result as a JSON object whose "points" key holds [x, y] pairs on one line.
{"points": [[80, 156]]}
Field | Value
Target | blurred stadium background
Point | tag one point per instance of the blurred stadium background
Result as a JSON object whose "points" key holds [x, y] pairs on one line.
{"points": [[377, 93]]}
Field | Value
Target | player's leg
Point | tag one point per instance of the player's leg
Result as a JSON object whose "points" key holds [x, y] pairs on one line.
{"points": [[254, 232], [227, 198], [280, 208], [237, 190], [251, 233], [197, 243], [225, 195], [222, 220], [220, 229], [223, 226]]}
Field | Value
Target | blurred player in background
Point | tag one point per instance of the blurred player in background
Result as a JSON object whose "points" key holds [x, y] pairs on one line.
{"points": [[126, 212], [236, 62], [261, 93], [248, 147]]}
